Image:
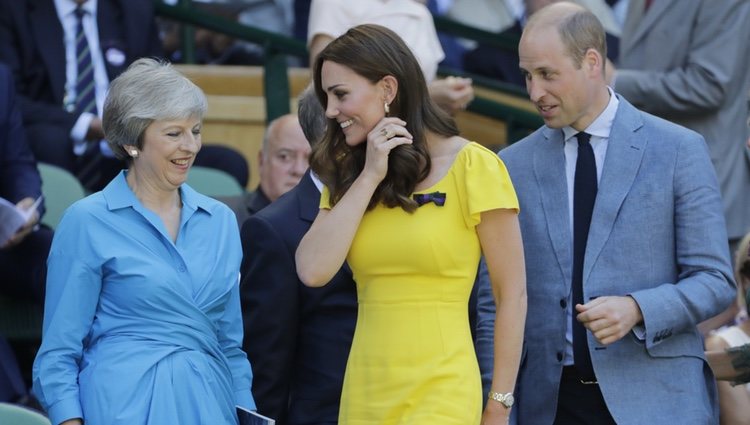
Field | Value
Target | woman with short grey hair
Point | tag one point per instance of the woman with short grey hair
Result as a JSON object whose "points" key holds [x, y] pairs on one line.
{"points": [[142, 319], [150, 91]]}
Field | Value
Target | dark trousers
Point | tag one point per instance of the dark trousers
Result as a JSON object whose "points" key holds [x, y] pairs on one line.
{"points": [[24, 267], [580, 404], [12, 387]]}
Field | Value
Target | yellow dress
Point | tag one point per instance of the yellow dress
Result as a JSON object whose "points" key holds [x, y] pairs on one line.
{"points": [[412, 360]]}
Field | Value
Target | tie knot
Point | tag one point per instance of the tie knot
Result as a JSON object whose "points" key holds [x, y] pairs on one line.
{"points": [[583, 138], [79, 12]]}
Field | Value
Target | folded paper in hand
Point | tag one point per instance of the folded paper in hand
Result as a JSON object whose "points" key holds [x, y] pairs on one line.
{"points": [[249, 417], [12, 218]]}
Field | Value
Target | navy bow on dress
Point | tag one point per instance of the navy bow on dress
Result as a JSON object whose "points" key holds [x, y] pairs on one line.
{"points": [[423, 198]]}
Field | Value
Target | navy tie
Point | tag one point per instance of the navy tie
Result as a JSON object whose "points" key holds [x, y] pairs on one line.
{"points": [[85, 94], [584, 195]]}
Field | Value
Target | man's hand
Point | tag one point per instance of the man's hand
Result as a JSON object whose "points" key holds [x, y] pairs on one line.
{"points": [[23, 204], [452, 94], [96, 132], [609, 318]]}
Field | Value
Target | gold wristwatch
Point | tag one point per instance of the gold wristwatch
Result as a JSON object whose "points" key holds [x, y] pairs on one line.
{"points": [[504, 399]]}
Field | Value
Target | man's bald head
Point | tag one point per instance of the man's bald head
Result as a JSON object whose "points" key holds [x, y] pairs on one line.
{"points": [[283, 159]]}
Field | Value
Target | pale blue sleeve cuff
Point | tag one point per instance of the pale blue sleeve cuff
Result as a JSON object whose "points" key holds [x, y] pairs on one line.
{"points": [[244, 399], [640, 332], [65, 409]]}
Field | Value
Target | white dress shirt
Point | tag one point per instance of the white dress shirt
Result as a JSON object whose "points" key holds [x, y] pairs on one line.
{"points": [[599, 130]]}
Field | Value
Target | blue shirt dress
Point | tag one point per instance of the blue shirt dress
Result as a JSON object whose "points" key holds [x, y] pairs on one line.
{"points": [[138, 329]]}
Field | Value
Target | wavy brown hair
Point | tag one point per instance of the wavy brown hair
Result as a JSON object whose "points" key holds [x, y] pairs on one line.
{"points": [[373, 52]]}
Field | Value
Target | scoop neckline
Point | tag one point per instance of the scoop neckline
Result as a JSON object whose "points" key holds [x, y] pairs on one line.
{"points": [[447, 173]]}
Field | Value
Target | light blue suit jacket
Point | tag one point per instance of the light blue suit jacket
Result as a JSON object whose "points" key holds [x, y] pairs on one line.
{"points": [[657, 234]]}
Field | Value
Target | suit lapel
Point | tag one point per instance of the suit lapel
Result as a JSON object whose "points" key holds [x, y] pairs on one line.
{"points": [[633, 18], [638, 24], [549, 169], [624, 156], [48, 34]]}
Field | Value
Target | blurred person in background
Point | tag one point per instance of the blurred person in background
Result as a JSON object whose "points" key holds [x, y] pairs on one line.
{"points": [[282, 161], [22, 257], [687, 61], [411, 20], [63, 55], [45, 42], [734, 400]]}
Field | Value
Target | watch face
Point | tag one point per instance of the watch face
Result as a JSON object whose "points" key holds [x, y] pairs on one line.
{"points": [[506, 399]]}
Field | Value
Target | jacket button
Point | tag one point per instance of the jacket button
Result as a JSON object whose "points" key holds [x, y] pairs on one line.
{"points": [[563, 303], [559, 356]]}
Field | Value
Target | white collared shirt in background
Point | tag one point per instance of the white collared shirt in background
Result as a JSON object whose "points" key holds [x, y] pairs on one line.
{"points": [[66, 14]]}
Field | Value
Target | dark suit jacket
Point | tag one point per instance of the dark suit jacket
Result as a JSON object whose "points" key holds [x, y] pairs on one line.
{"points": [[297, 338], [31, 43], [245, 205], [19, 177]]}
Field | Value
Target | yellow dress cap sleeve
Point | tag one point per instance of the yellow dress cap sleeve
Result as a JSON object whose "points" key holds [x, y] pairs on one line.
{"points": [[487, 185]]}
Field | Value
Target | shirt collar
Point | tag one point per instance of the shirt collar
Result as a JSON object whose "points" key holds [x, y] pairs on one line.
{"points": [[316, 181], [602, 125], [194, 200], [119, 195]]}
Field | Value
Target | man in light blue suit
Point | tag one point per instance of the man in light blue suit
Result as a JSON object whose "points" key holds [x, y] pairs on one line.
{"points": [[614, 296]]}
